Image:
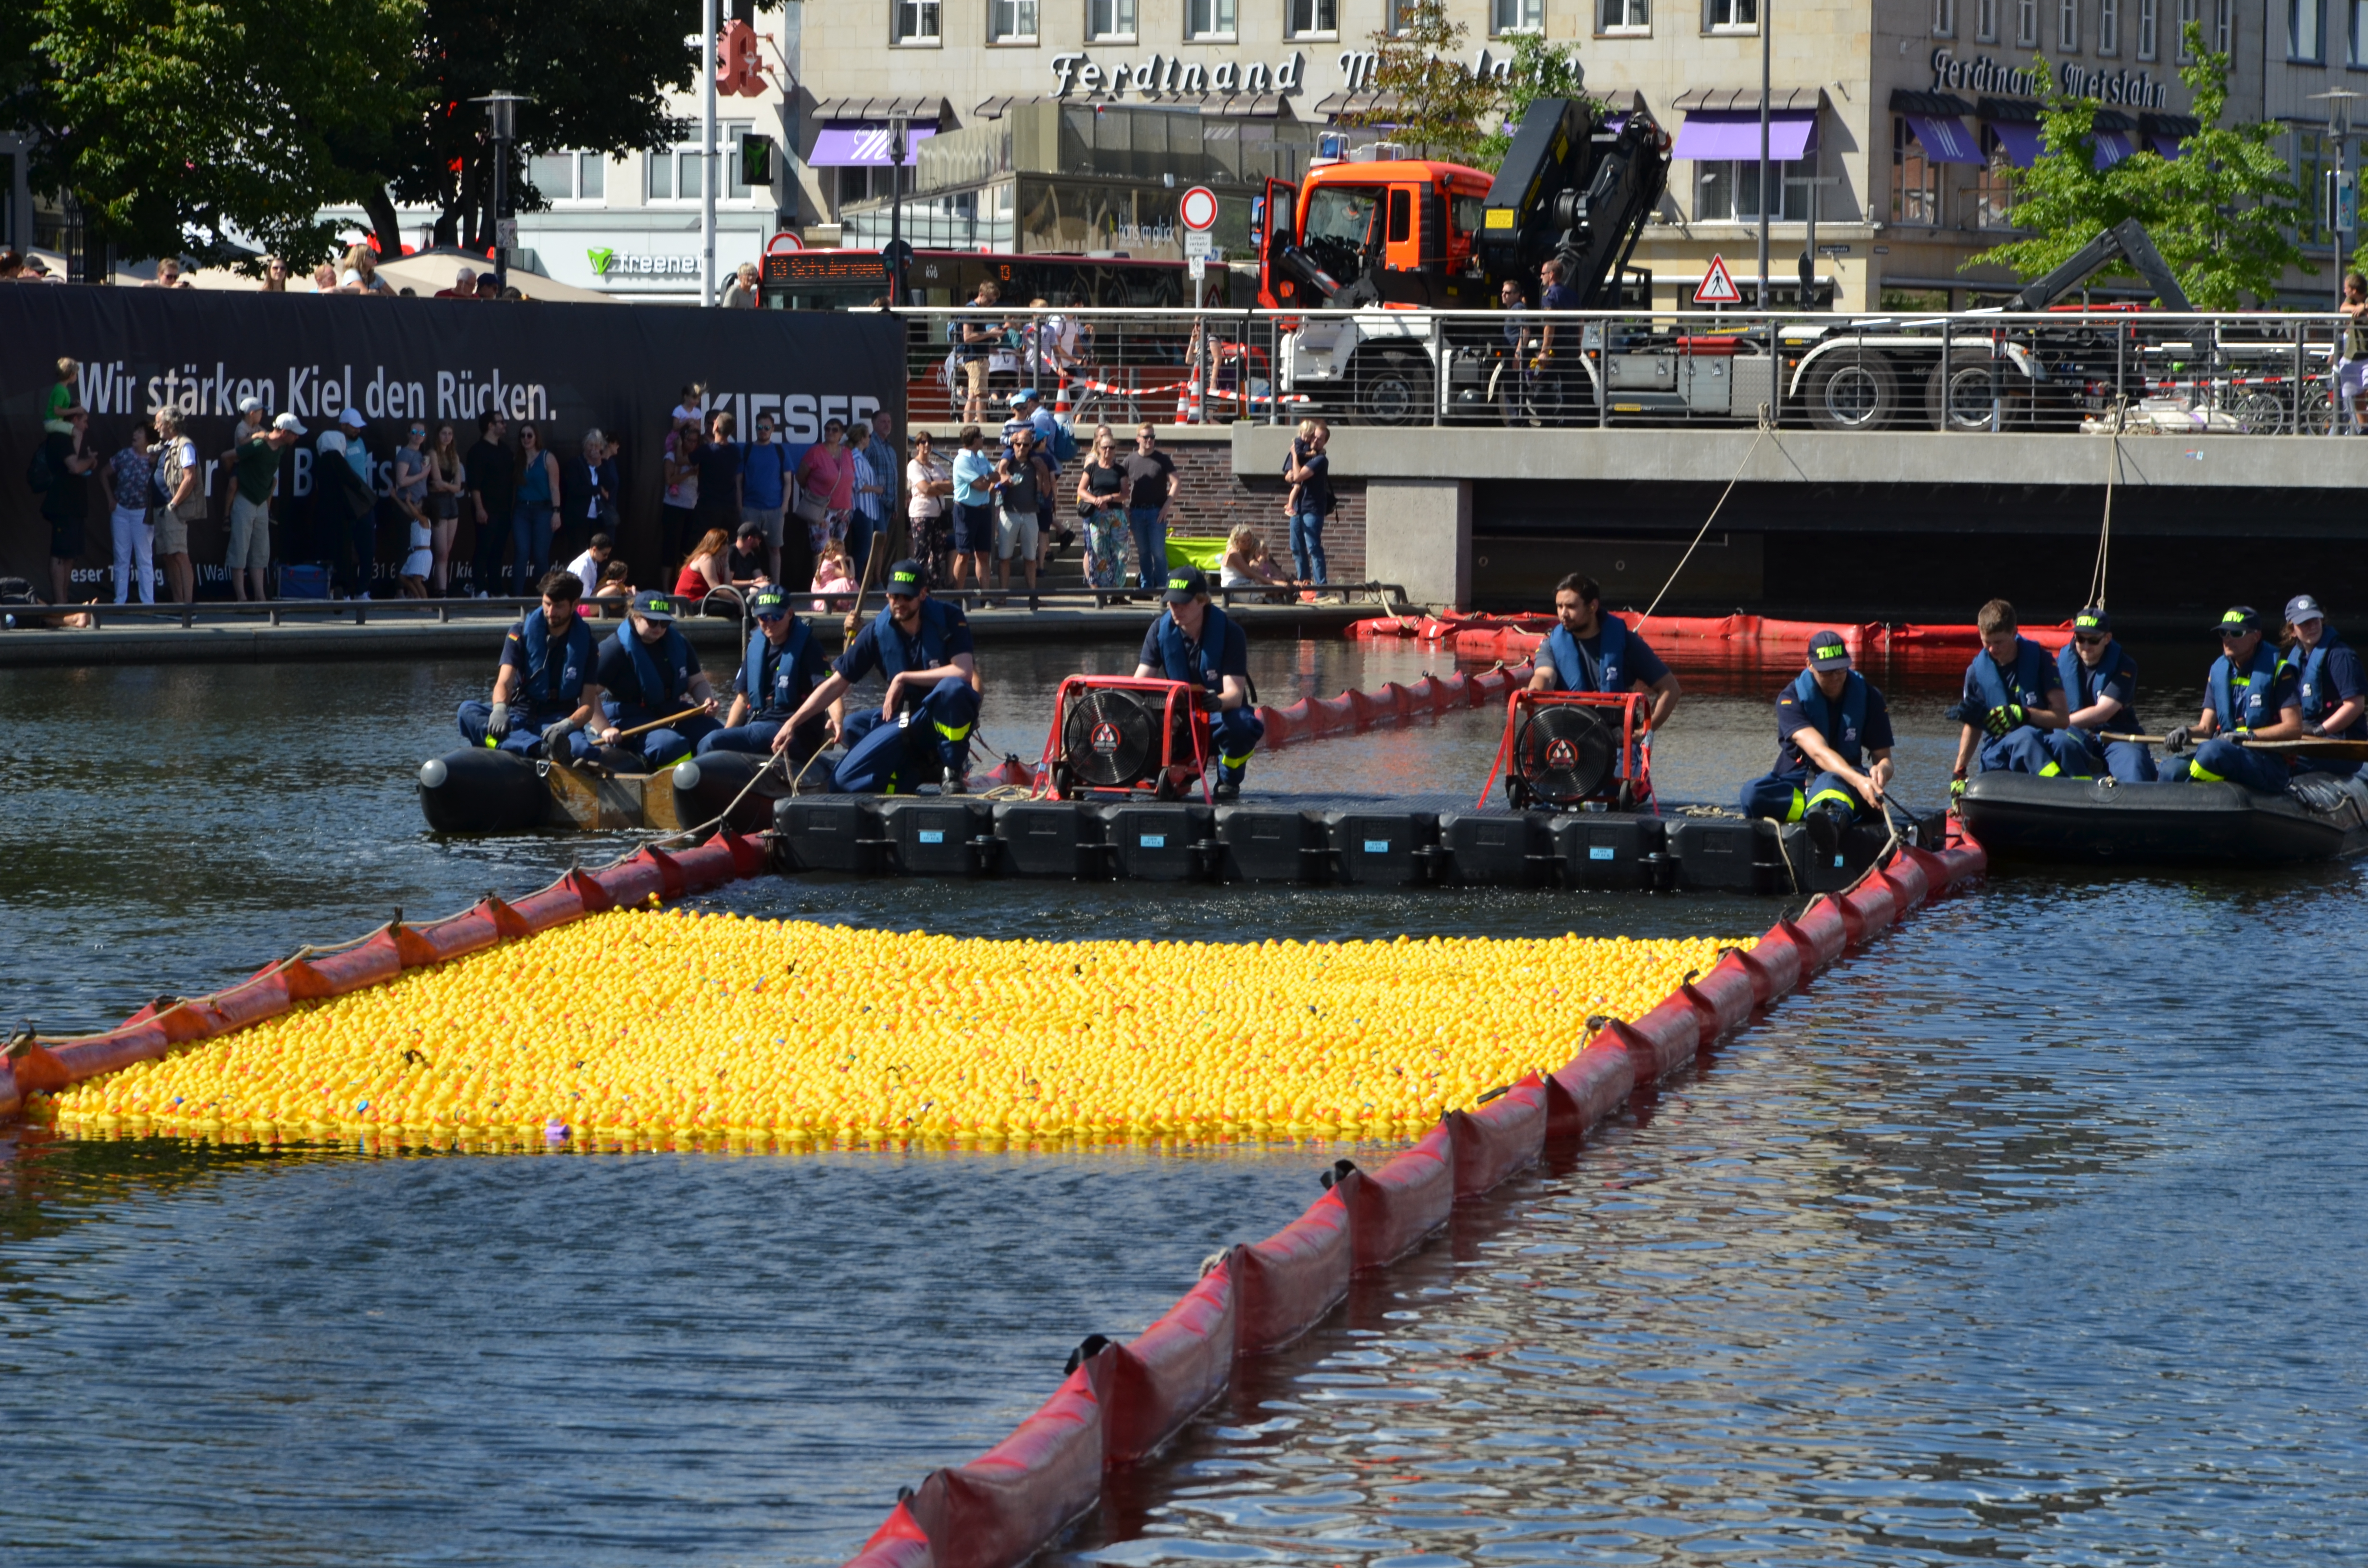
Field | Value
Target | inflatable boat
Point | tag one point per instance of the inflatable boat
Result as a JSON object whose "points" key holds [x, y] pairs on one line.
{"points": [[480, 790], [2320, 817]]}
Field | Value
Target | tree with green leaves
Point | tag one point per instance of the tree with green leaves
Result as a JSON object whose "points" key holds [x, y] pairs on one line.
{"points": [[598, 73], [208, 128], [1539, 69], [1427, 94], [2222, 213]]}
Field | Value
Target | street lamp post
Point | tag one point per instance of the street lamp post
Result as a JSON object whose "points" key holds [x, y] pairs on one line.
{"points": [[895, 209], [1765, 21], [501, 116], [2339, 131], [709, 26]]}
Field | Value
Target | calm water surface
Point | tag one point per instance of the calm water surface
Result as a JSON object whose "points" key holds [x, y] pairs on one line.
{"points": [[1950, 1258]]}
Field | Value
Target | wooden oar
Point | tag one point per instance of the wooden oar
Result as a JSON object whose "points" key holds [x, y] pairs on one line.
{"points": [[2309, 745], [658, 723]]}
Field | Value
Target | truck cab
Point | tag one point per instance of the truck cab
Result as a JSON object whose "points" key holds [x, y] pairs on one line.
{"points": [[1393, 232]]}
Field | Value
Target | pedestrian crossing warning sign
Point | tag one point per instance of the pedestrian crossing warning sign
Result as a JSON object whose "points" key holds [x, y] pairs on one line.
{"points": [[1717, 287]]}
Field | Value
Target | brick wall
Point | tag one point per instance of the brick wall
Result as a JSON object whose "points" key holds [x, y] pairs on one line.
{"points": [[1212, 500]]}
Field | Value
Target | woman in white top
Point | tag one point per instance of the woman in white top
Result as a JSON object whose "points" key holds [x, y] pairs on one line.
{"points": [[409, 492], [360, 275], [929, 489], [1247, 566]]}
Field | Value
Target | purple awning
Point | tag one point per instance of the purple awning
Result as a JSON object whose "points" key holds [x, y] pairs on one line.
{"points": [[1944, 139], [2113, 146], [2167, 145], [2021, 140], [862, 146], [1721, 135]]}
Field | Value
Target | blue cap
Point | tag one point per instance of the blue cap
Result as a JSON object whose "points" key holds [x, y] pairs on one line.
{"points": [[2238, 620], [1828, 651], [1184, 585], [768, 604], [651, 605], [2092, 619], [905, 578], [2301, 608]]}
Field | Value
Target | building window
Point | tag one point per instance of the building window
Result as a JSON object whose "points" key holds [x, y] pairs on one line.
{"points": [[2109, 27], [1400, 18], [1209, 18], [1731, 16], [916, 21], [1312, 18], [677, 174], [1011, 21], [2026, 24], [1993, 186], [2223, 16], [2188, 12], [1110, 21], [2304, 35], [569, 176], [1986, 21], [2149, 39], [2355, 39], [1514, 17], [1915, 180], [1729, 192], [1944, 18], [1630, 17], [2068, 25]]}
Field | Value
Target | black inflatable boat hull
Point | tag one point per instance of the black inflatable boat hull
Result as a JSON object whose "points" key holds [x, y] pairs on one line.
{"points": [[481, 790], [2098, 820]]}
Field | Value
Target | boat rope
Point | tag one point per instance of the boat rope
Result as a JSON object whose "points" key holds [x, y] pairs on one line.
{"points": [[1703, 532], [721, 817], [2105, 534]]}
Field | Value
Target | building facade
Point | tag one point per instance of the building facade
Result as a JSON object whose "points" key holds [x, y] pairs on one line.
{"points": [[1897, 119]]}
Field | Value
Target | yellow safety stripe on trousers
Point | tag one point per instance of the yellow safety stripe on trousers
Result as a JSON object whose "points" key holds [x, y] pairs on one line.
{"points": [[2050, 771], [1822, 796], [2198, 771], [1232, 761], [951, 732], [1800, 808]]}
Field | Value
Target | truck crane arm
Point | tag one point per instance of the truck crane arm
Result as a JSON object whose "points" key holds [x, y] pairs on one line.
{"points": [[1570, 188], [2126, 241]]}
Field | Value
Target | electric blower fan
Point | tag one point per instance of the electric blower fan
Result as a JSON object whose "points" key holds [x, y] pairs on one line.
{"points": [[1565, 748], [1119, 735]]}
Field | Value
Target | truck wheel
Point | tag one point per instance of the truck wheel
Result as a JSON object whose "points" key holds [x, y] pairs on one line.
{"points": [[1967, 394], [1853, 393], [1394, 389]]}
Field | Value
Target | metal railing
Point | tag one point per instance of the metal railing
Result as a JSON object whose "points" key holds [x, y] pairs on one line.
{"points": [[2256, 373]]}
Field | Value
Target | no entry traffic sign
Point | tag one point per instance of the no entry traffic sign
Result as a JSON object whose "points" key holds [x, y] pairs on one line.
{"points": [[1197, 208], [1717, 287]]}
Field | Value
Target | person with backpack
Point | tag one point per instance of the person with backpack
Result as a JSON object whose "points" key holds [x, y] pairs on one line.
{"points": [[60, 474], [178, 494]]}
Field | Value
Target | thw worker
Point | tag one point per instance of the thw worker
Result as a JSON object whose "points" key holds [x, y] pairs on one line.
{"points": [[920, 733], [545, 696], [1196, 643], [1590, 651], [1829, 721], [783, 665]]}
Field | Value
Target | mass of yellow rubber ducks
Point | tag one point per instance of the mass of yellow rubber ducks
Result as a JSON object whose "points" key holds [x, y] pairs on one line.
{"points": [[642, 1028]]}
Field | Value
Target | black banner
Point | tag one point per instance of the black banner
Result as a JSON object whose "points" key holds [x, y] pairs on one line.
{"points": [[565, 367]]}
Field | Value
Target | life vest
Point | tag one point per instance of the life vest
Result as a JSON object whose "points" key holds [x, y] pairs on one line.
{"points": [[1196, 665], [2083, 686], [936, 623], [2244, 711], [663, 673], [1570, 661], [1849, 740], [779, 697], [2029, 682], [2317, 701], [559, 685]]}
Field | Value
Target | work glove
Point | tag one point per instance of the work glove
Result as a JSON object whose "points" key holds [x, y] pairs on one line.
{"points": [[2001, 718], [497, 724], [554, 737], [2176, 741], [2313, 727], [1956, 789]]}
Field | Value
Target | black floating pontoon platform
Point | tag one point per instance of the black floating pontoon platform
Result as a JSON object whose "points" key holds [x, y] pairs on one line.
{"points": [[1393, 841]]}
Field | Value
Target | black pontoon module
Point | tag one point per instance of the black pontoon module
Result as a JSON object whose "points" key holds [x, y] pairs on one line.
{"points": [[2321, 817]]}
